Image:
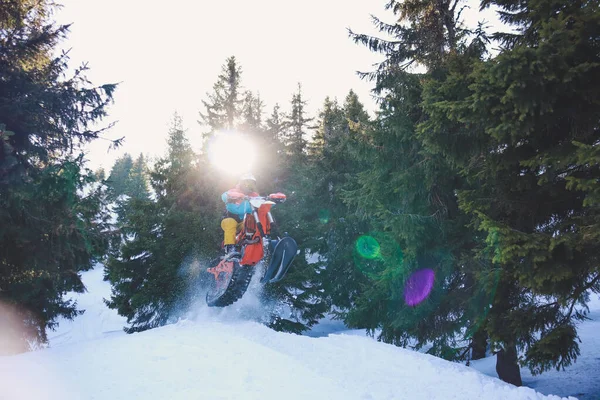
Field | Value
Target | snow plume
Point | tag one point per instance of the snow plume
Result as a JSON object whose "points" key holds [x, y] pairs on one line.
{"points": [[251, 307]]}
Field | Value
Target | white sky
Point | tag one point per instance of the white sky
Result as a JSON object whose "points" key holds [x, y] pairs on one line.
{"points": [[167, 55]]}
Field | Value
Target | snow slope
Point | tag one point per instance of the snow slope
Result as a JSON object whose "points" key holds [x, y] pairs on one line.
{"points": [[219, 356], [97, 322], [582, 379]]}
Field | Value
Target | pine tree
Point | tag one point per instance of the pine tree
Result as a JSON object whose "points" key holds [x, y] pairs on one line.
{"points": [[118, 180], [252, 114], [224, 105], [153, 274], [425, 33], [531, 119], [333, 161], [274, 129], [48, 226], [138, 179], [272, 156], [298, 299], [296, 128], [406, 199]]}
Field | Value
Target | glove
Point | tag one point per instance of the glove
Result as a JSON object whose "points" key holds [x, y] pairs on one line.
{"points": [[235, 198], [277, 197]]}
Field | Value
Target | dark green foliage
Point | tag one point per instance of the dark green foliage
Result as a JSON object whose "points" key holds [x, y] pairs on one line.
{"points": [[298, 298], [47, 115], [138, 179], [224, 105], [406, 195], [46, 243], [426, 32], [118, 180], [478, 166], [406, 198], [128, 178], [333, 160], [529, 115], [49, 230], [164, 239], [295, 133]]}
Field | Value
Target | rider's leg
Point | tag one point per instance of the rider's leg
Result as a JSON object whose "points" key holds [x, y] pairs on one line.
{"points": [[229, 226]]}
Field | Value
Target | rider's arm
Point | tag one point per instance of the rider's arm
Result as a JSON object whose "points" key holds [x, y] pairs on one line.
{"points": [[232, 196]]}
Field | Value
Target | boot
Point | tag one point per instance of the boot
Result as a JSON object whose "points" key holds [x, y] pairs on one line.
{"points": [[230, 250]]}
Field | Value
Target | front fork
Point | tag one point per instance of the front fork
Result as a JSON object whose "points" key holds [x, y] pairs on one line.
{"points": [[259, 224], [267, 242]]}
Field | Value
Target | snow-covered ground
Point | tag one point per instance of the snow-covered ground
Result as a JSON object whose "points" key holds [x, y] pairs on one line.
{"points": [[218, 354], [582, 379], [97, 322]]}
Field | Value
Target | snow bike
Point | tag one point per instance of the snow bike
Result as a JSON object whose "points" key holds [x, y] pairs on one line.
{"points": [[233, 272]]}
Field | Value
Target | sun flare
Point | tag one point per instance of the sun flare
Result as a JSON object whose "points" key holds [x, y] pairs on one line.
{"points": [[232, 152]]}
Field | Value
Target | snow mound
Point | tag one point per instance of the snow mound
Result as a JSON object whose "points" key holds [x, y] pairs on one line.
{"points": [[242, 360], [97, 322], [219, 355], [579, 379]]}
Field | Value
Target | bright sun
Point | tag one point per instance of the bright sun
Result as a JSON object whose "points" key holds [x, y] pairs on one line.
{"points": [[231, 152]]}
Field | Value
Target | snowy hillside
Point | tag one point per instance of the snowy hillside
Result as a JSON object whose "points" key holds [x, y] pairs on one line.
{"points": [[581, 379], [98, 321], [220, 356]]}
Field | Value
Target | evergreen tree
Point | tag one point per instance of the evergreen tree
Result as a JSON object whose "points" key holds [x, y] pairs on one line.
{"points": [[138, 179], [406, 198], [322, 274], [296, 128], [272, 153], [425, 33], [531, 118], [297, 301], [118, 180], [48, 226], [274, 129], [298, 298], [334, 159], [151, 274], [224, 105], [252, 114]]}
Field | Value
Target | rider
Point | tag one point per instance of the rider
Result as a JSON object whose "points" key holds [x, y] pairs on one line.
{"points": [[236, 207]]}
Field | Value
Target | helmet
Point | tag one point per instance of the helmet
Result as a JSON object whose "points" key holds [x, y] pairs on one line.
{"points": [[247, 182], [247, 177]]}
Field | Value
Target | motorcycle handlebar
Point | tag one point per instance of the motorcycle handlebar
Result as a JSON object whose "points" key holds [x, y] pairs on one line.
{"points": [[280, 198]]}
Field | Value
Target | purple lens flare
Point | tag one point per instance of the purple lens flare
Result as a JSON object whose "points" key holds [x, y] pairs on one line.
{"points": [[418, 286]]}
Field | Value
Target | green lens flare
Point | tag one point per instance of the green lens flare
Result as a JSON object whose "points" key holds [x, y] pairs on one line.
{"points": [[368, 247], [324, 216]]}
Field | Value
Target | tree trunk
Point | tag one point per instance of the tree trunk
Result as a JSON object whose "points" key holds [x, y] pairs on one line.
{"points": [[479, 344], [507, 366]]}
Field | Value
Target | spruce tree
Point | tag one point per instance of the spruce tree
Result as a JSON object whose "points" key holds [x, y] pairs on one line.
{"points": [[48, 226], [531, 118], [153, 275], [252, 114], [296, 129], [138, 179], [298, 298], [406, 199], [224, 105], [274, 126], [334, 159], [118, 180], [272, 155]]}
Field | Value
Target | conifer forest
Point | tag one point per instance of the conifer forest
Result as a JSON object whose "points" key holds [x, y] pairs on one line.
{"points": [[475, 182]]}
